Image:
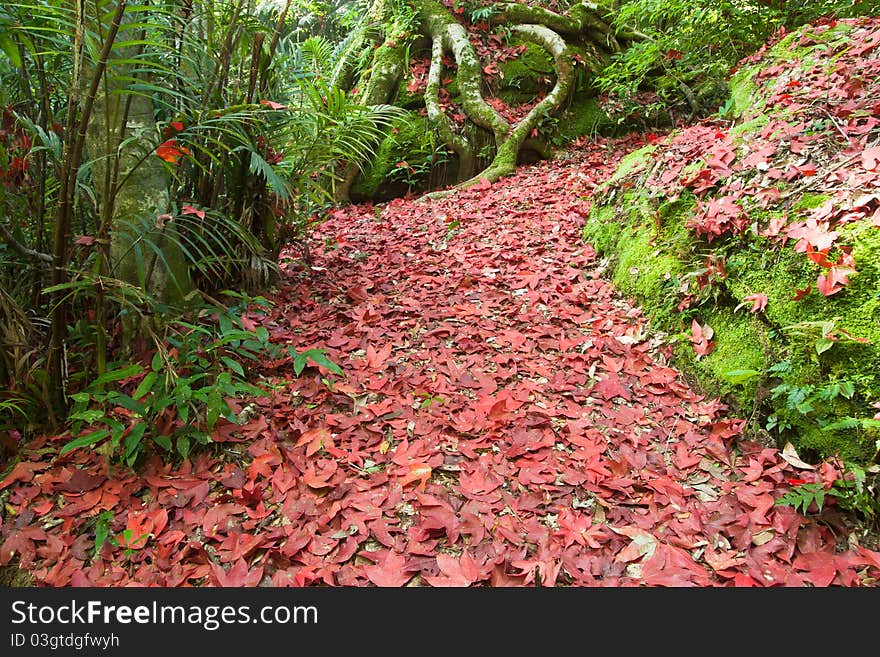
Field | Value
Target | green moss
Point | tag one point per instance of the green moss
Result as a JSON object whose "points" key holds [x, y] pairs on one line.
{"points": [[743, 91], [651, 247], [808, 201], [643, 270], [521, 74], [582, 117], [752, 125], [410, 139], [738, 346], [633, 162]]}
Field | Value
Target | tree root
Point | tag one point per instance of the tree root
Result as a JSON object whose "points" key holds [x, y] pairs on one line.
{"points": [[585, 22]]}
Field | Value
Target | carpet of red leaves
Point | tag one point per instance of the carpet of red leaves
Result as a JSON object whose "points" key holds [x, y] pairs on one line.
{"points": [[503, 418]]}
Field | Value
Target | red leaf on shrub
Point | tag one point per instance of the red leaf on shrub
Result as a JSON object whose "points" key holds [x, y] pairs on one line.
{"points": [[188, 209], [170, 151], [271, 104]]}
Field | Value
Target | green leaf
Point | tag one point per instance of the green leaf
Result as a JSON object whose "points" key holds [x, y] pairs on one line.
{"points": [[842, 423], [85, 441], [131, 404], [233, 365], [7, 45], [318, 357], [163, 441], [102, 531], [741, 376], [116, 375], [823, 345], [183, 446], [88, 416], [132, 442], [145, 385]]}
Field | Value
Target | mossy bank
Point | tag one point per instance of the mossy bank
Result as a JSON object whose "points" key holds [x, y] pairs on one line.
{"points": [[714, 224]]}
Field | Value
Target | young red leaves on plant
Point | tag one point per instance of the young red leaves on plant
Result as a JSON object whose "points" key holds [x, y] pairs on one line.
{"points": [[272, 105], [188, 209], [171, 151]]}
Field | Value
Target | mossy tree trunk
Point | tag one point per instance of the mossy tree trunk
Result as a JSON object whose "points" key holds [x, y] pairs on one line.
{"points": [[397, 32], [130, 182], [131, 186]]}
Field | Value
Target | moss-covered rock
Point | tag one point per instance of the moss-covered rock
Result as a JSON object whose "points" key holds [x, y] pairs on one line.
{"points": [[802, 364], [403, 162]]}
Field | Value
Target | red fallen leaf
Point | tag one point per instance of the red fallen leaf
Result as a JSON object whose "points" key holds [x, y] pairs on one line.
{"points": [[819, 257], [825, 285], [643, 544], [238, 576], [483, 184], [271, 104], [390, 572], [811, 233], [23, 471], [18, 544], [800, 294], [377, 359], [81, 481], [759, 302], [188, 209], [170, 151], [456, 572], [871, 158], [138, 528], [317, 438], [869, 557], [578, 528], [544, 565], [701, 339], [833, 282], [818, 568], [417, 472], [218, 519]]}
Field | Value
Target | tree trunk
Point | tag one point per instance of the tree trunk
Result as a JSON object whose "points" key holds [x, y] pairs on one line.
{"points": [[130, 183], [447, 45]]}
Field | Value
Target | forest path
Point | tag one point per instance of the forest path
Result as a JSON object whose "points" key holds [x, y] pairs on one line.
{"points": [[504, 417], [501, 417]]}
